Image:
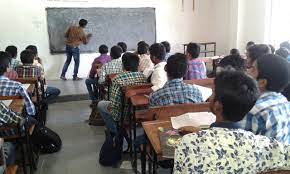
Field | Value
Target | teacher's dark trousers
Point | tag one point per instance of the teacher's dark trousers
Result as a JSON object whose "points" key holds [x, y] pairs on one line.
{"points": [[75, 53]]}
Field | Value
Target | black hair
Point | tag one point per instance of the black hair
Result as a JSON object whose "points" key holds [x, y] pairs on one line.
{"points": [[237, 92], [11, 50], [257, 51], [176, 66], [142, 48], [250, 43], [233, 61], [4, 62], [158, 51], [103, 49], [116, 52], [285, 44], [26, 57], [83, 22], [130, 62], [275, 70], [193, 49], [234, 51], [283, 52], [33, 49], [272, 48], [141, 42], [123, 45], [167, 46]]}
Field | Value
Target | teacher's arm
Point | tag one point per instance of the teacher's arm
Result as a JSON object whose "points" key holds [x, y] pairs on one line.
{"points": [[85, 38]]}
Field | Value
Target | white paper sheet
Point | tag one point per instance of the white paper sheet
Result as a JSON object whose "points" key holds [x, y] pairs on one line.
{"points": [[7, 102], [197, 119], [205, 92], [26, 86]]}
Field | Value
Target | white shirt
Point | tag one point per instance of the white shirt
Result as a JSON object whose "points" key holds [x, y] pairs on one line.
{"points": [[159, 76]]}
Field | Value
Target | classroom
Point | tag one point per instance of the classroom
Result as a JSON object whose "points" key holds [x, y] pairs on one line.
{"points": [[144, 86]]}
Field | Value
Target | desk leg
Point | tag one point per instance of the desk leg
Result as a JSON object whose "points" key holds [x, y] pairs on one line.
{"points": [[130, 133], [143, 155], [150, 160], [134, 136], [154, 163]]}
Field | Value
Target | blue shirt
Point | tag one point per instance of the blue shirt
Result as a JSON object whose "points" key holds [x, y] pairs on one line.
{"points": [[13, 88], [270, 117], [175, 92]]}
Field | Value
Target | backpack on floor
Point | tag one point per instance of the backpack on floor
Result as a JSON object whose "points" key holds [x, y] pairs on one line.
{"points": [[46, 140], [112, 149]]}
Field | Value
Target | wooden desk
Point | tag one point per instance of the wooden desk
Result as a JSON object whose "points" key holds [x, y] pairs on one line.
{"points": [[17, 105], [140, 100], [11, 169]]}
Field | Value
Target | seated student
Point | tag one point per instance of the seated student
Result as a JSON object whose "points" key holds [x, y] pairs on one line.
{"points": [[123, 45], [36, 60], [175, 91], [157, 76], [112, 67], [283, 52], [167, 46], [30, 70], [146, 65], [196, 69], [270, 115], [232, 61], [10, 73], [223, 148], [97, 64], [234, 51], [111, 110], [12, 88], [256, 51], [12, 50]]}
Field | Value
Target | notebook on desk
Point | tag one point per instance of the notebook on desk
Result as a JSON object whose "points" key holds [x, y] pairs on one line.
{"points": [[205, 92], [26, 86], [7, 102]]}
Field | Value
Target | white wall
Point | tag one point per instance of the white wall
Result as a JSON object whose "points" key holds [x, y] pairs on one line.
{"points": [[212, 20]]}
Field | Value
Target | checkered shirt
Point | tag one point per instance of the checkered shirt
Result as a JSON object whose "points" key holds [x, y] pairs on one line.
{"points": [[14, 63], [121, 80], [113, 67], [28, 71], [270, 117], [175, 92], [12, 88], [7, 116], [196, 70]]}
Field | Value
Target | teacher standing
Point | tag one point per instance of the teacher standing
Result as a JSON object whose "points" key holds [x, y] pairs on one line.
{"points": [[75, 36]]}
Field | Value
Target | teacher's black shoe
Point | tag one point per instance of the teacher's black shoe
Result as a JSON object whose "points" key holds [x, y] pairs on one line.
{"points": [[77, 78], [63, 78]]}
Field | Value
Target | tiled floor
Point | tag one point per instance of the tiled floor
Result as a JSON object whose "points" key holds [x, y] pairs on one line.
{"points": [[69, 87], [81, 142]]}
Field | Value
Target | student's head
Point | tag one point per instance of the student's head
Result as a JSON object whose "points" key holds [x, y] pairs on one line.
{"points": [[235, 62], [256, 51], [285, 44], [103, 49], [249, 44], [12, 51], [4, 62], [83, 23], [192, 50], [234, 95], [123, 45], [271, 72], [234, 51], [157, 53], [141, 42], [167, 46], [32, 49], [116, 52], [142, 48], [272, 48], [130, 62], [176, 66], [283, 52], [26, 57]]}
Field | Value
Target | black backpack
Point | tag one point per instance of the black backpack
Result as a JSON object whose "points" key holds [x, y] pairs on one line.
{"points": [[46, 140], [112, 149]]}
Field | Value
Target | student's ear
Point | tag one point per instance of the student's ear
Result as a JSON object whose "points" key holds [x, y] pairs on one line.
{"points": [[165, 68], [262, 83]]}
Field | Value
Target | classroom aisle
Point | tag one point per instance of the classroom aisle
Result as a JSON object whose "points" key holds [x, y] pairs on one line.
{"points": [[81, 143]]}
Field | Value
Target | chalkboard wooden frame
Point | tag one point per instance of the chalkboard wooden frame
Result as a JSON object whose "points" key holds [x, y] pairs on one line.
{"points": [[136, 27]]}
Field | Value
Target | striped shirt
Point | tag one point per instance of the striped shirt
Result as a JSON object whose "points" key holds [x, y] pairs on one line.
{"points": [[270, 117], [29, 71], [121, 80], [196, 70], [14, 63], [113, 67], [13, 88], [175, 92]]}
